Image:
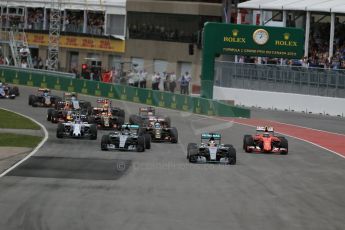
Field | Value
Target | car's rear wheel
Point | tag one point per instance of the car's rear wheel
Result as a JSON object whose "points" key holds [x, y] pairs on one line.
{"points": [[174, 135], [147, 141], [141, 144], [50, 114], [32, 99]]}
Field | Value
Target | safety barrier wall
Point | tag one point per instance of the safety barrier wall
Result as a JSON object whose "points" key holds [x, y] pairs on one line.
{"points": [[276, 78], [55, 80]]}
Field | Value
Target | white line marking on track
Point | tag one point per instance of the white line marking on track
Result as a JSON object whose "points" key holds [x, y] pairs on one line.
{"points": [[33, 151], [324, 131]]}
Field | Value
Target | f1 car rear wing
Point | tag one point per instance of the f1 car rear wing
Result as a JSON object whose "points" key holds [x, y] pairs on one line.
{"points": [[129, 126], [150, 109], [215, 136], [264, 129], [43, 90], [68, 95], [104, 101]]}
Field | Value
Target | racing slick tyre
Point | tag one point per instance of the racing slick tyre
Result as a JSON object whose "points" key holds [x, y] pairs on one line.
{"points": [[147, 141], [121, 113], [120, 121], [93, 132], [284, 144], [32, 99], [55, 116], [141, 144], [91, 120], [15, 90], [60, 130], [50, 114], [191, 146], [168, 121], [192, 153], [174, 135], [247, 141], [104, 142], [231, 154], [135, 120]]}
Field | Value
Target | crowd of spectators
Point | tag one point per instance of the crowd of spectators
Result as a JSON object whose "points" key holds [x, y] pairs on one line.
{"points": [[160, 32], [74, 21], [95, 23], [35, 18], [163, 81]]}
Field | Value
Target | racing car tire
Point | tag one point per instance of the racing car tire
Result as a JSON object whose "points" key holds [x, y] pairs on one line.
{"points": [[121, 113], [32, 99], [120, 121], [91, 120], [104, 142], [247, 141], [60, 130], [174, 135], [141, 144], [15, 90], [93, 132], [147, 141], [284, 144], [231, 154], [191, 146], [168, 121], [192, 155], [55, 116], [50, 114], [135, 120]]}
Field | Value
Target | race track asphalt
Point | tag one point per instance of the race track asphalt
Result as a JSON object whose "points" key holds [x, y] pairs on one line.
{"points": [[71, 184]]}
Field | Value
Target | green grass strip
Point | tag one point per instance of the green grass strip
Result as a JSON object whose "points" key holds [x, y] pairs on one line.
{"points": [[19, 140], [9, 120]]}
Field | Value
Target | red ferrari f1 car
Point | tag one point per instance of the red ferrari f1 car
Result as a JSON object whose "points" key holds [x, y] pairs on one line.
{"points": [[265, 141]]}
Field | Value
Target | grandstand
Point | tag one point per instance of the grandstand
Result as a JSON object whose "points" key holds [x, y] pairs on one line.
{"points": [[90, 29]]}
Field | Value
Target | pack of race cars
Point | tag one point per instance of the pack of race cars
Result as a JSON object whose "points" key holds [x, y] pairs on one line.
{"points": [[78, 119]]}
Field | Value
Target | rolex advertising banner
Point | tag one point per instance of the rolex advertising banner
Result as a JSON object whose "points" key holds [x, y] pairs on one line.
{"points": [[52, 80], [246, 40]]}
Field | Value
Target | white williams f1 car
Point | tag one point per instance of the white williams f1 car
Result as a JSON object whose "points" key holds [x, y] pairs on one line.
{"points": [[77, 129]]}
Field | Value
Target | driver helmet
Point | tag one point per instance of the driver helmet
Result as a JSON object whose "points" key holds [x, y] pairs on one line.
{"points": [[126, 130], [157, 125], [45, 93], [212, 142], [266, 134], [67, 104], [0, 84]]}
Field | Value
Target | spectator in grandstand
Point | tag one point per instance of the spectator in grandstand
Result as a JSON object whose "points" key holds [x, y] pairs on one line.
{"points": [[172, 82], [165, 81], [155, 81], [184, 83], [40, 63], [2, 60], [142, 78]]}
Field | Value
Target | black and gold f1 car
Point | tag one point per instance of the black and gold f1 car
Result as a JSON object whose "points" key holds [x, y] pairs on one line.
{"points": [[43, 98]]}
